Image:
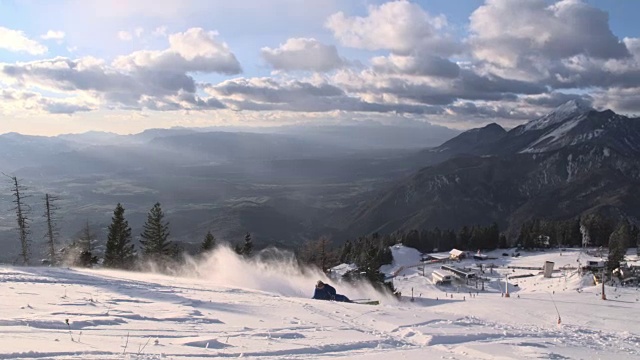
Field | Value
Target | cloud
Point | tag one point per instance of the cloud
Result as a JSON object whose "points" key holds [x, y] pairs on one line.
{"points": [[555, 99], [260, 94], [529, 33], [490, 111], [53, 35], [303, 54], [124, 35], [423, 65], [160, 31], [158, 80], [28, 100], [59, 107], [117, 89], [623, 100], [17, 41], [399, 26], [434, 90], [194, 50]]}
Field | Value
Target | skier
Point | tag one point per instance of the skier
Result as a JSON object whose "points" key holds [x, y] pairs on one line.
{"points": [[327, 292]]}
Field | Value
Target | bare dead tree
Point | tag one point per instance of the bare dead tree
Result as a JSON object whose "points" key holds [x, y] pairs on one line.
{"points": [[52, 228], [22, 216]]}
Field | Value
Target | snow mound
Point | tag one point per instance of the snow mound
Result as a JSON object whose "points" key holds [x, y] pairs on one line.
{"points": [[403, 258]]}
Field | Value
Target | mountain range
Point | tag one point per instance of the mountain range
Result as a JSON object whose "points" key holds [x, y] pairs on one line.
{"points": [[571, 162], [288, 185], [280, 184]]}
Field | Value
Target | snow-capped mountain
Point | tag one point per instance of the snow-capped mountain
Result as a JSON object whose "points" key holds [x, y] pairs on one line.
{"points": [[570, 109]]}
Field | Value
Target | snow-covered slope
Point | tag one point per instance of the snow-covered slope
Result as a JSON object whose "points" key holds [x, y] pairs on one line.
{"points": [[570, 109], [268, 315]]}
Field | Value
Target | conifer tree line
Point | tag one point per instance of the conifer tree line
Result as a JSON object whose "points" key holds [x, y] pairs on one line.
{"points": [[120, 251], [368, 253]]}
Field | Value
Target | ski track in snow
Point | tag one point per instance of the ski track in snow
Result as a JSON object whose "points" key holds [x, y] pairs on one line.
{"points": [[119, 315]]}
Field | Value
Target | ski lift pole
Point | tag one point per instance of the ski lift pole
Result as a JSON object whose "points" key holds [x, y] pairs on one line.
{"points": [[506, 285], [604, 297]]}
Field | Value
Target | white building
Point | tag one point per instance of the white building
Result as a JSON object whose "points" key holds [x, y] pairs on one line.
{"points": [[439, 278]]}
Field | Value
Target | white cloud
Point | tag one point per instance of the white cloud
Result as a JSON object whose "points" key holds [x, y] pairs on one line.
{"points": [[124, 35], [523, 33], [160, 31], [53, 35], [303, 54], [194, 50], [400, 26], [17, 41], [19, 100], [158, 80], [518, 58]]}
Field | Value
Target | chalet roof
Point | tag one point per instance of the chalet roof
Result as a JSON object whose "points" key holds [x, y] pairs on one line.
{"points": [[456, 252]]}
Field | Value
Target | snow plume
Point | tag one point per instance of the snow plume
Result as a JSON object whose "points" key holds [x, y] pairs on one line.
{"points": [[272, 270]]}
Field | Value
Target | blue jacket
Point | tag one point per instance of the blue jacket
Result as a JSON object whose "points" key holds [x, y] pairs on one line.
{"points": [[327, 292]]}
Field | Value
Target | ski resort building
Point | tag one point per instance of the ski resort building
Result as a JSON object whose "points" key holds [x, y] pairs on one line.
{"points": [[480, 256], [461, 273], [440, 278], [456, 254], [596, 265], [436, 257]]}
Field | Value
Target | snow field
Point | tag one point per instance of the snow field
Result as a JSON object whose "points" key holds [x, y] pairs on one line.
{"points": [[225, 306]]}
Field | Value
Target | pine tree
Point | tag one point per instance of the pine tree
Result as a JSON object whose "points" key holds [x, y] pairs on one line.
{"points": [[618, 244], [84, 247], [503, 244], [247, 247], [86, 238], [119, 252], [208, 243], [154, 241]]}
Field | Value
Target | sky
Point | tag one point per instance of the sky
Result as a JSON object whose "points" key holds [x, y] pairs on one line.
{"points": [[69, 66]]}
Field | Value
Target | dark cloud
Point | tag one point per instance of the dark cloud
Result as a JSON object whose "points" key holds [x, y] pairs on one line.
{"points": [[555, 99], [54, 107], [422, 65], [268, 94], [623, 100], [489, 111], [467, 86]]}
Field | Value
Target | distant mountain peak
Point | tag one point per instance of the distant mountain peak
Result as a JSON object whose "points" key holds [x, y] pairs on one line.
{"points": [[494, 127], [570, 109]]}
